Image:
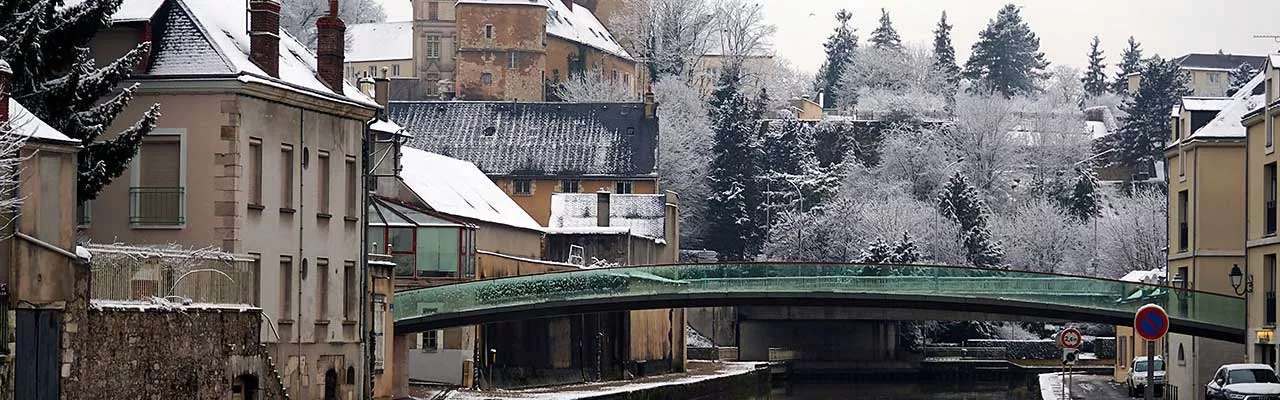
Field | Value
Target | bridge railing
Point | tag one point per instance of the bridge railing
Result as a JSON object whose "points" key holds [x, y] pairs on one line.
{"points": [[792, 278]]}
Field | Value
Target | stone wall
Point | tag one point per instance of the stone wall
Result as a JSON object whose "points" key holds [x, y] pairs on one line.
{"points": [[137, 351]]}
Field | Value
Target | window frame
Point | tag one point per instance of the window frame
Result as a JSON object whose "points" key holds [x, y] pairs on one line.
{"points": [[135, 175], [488, 31], [322, 290], [1184, 229], [513, 59], [528, 187], [255, 174], [352, 178], [1270, 196], [433, 47], [286, 288], [570, 186], [324, 184], [624, 187], [486, 78], [287, 177]]}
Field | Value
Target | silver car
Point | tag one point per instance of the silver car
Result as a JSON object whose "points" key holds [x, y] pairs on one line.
{"points": [[1243, 382]]}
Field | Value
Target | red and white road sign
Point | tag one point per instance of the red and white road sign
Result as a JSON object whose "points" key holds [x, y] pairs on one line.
{"points": [[1070, 338], [1151, 322]]}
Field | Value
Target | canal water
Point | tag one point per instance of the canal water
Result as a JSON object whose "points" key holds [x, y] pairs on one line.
{"points": [[864, 388]]}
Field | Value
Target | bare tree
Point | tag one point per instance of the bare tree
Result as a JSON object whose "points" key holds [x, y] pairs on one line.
{"points": [[593, 87], [684, 150], [1038, 236], [895, 80], [1132, 234], [779, 78], [983, 135], [740, 33], [670, 34], [298, 17], [11, 141]]}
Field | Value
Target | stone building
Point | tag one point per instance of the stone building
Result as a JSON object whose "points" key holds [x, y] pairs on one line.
{"points": [[378, 46], [258, 152], [1209, 74]]}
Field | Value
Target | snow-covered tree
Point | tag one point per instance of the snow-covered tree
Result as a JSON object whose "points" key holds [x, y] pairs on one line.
{"points": [[1143, 131], [885, 37], [1064, 87], [902, 81], [1130, 63], [839, 47], [1083, 202], [684, 142], [983, 136], [298, 17], [10, 163], [1095, 78], [55, 77], [783, 82], [1240, 76], [671, 34], [791, 165], [960, 202], [735, 202], [740, 32], [901, 251], [1038, 236], [916, 158], [1006, 59], [593, 87], [944, 61], [1131, 233]]}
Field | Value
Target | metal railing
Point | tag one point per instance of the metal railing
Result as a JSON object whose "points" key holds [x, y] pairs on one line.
{"points": [[1270, 309], [1270, 215], [1183, 240], [138, 273], [157, 206]]}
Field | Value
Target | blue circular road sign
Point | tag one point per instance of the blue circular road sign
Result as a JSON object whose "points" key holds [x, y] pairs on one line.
{"points": [[1151, 322]]}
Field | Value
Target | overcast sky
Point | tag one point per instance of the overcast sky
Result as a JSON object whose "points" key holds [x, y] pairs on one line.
{"points": [[1168, 27]]}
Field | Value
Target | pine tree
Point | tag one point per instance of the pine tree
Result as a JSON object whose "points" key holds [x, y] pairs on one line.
{"points": [[1095, 78], [55, 77], [880, 251], [1241, 76], [885, 37], [1006, 58], [960, 202], [1143, 130], [840, 47], [736, 200], [1083, 202], [905, 251], [1130, 63], [944, 61], [790, 159]]}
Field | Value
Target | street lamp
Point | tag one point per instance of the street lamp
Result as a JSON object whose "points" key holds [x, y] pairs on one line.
{"points": [[1238, 279]]}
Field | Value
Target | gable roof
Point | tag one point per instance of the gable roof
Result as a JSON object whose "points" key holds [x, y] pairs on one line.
{"points": [[1227, 124], [380, 41], [637, 214], [1191, 103], [1218, 61], [455, 187], [581, 26], [536, 139], [32, 127], [195, 38]]}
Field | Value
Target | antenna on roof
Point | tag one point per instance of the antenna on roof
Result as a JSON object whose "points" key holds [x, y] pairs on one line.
{"points": [[1272, 37]]}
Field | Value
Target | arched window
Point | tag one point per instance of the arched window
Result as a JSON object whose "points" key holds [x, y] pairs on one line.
{"points": [[330, 384], [351, 375]]}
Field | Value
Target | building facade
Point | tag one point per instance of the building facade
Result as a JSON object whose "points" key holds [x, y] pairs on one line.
{"points": [[1209, 75], [435, 49], [1261, 192], [378, 47], [259, 152]]}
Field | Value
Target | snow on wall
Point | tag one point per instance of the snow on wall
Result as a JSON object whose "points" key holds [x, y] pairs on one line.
{"points": [[642, 214]]}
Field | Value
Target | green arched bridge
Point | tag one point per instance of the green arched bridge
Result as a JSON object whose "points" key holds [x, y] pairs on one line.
{"points": [[924, 287]]}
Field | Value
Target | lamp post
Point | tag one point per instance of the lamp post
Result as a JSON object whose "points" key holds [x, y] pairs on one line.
{"points": [[1243, 285]]}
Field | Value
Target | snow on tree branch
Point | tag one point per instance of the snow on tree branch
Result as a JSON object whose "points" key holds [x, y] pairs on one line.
{"points": [[11, 142], [298, 17], [594, 87]]}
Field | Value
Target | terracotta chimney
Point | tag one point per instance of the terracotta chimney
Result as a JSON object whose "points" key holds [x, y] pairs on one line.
{"points": [[264, 35], [568, 3], [5, 74], [331, 48]]}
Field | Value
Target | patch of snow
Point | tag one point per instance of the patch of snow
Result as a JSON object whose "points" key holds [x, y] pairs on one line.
{"points": [[130, 10], [1192, 103], [380, 41], [28, 125], [642, 214], [695, 338], [590, 230], [458, 188], [580, 25], [171, 304], [1154, 276], [387, 127], [1097, 129], [1051, 386], [1274, 60], [597, 263], [84, 253], [610, 389], [528, 260], [1227, 124]]}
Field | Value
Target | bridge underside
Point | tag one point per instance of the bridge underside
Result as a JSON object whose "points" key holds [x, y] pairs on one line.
{"points": [[931, 307]]}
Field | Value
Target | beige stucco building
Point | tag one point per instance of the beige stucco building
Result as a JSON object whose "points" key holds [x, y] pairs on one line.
{"points": [[258, 152], [1263, 246], [378, 47], [1209, 75]]}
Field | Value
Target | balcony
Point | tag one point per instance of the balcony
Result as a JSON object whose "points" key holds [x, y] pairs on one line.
{"points": [[157, 206], [1182, 236], [1269, 315], [1269, 226]]}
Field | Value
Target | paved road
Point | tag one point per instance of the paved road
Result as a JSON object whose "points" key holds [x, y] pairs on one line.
{"points": [[1097, 387]]}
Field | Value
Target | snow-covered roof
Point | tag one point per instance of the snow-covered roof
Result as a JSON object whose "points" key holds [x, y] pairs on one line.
{"points": [[385, 126], [1227, 124], [1097, 129], [1152, 276], [641, 214], [580, 25], [1192, 103], [535, 139], [455, 187], [210, 37], [131, 10], [380, 41], [1274, 60], [1218, 62], [28, 125]]}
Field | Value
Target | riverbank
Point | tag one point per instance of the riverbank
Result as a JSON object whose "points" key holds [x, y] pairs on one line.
{"points": [[704, 380]]}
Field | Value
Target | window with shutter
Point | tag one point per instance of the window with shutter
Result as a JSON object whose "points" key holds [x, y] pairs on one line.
{"points": [[158, 197]]}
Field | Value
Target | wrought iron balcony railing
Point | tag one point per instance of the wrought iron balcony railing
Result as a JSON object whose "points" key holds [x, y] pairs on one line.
{"points": [[157, 206]]}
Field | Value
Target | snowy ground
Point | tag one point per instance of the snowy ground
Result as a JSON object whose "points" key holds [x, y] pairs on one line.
{"points": [[698, 371], [1090, 387]]}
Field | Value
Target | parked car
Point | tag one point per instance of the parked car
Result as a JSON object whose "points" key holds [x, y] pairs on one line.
{"points": [[1137, 378], [1243, 382]]}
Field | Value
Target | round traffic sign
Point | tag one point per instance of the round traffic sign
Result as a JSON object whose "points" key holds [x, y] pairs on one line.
{"points": [[1070, 338], [1151, 322]]}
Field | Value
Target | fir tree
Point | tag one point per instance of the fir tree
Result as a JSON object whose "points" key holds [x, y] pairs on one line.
{"points": [[790, 159], [55, 77], [1095, 78], [944, 61], [1241, 76], [880, 251], [840, 47], [1143, 130], [1130, 63], [960, 202], [1006, 58], [736, 199], [1083, 202], [885, 37]]}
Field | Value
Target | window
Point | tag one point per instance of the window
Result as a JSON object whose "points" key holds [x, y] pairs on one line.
{"points": [[353, 188], [631, 131], [286, 178], [433, 47], [255, 173], [1213, 77], [616, 77], [1182, 163], [522, 187], [1177, 128], [488, 31], [513, 59], [570, 186], [157, 197], [626, 80], [1182, 221], [486, 78], [623, 187], [322, 289], [322, 182], [1269, 198], [350, 291], [286, 288], [433, 84], [1269, 281], [379, 330], [373, 71], [395, 69], [429, 341], [84, 213], [1182, 355]]}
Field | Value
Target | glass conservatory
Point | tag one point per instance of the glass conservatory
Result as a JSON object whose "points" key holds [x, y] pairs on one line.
{"points": [[422, 245]]}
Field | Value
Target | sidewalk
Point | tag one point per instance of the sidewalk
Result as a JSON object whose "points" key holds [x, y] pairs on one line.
{"points": [[698, 371]]}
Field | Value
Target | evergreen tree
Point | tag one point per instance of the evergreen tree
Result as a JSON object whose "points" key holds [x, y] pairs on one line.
{"points": [[1083, 202], [960, 202], [1241, 76], [1130, 63], [736, 200], [1095, 78], [1006, 58], [944, 61], [840, 47], [905, 251], [790, 159], [1143, 130], [902, 251], [885, 37], [55, 77]]}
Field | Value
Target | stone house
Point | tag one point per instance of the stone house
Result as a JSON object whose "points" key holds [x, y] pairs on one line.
{"points": [[259, 152]]}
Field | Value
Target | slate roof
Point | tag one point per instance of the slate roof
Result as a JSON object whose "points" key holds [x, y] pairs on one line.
{"points": [[1219, 61], [639, 214], [536, 139]]}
